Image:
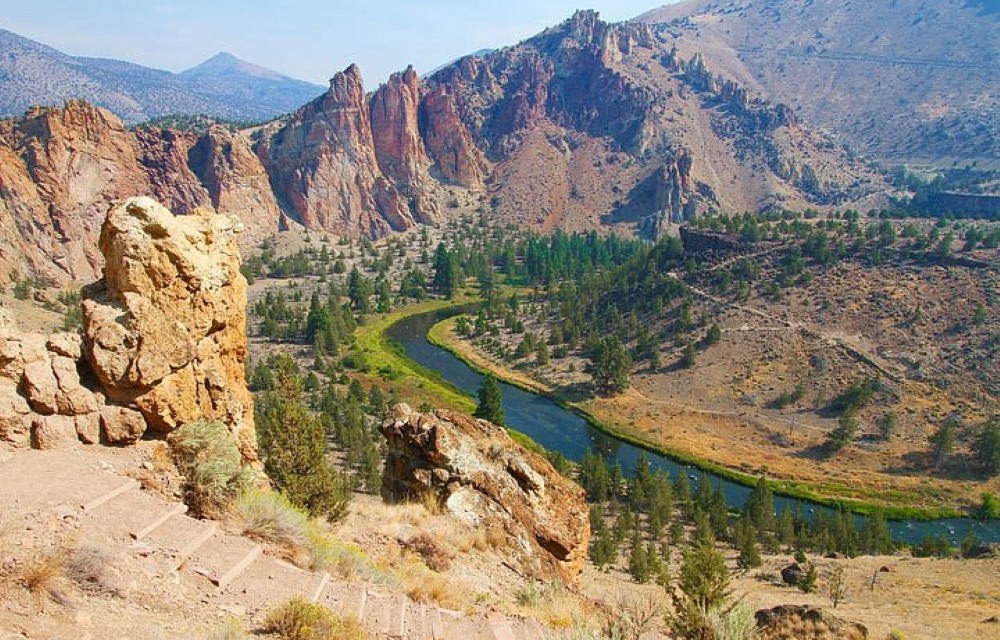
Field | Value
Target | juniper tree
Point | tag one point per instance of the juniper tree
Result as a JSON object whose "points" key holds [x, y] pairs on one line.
{"points": [[490, 401]]}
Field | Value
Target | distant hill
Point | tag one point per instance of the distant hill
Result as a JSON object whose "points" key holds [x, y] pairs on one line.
{"points": [[223, 86], [903, 80]]}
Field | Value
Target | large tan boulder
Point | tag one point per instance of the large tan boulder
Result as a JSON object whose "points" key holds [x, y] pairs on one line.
{"points": [[54, 432], [121, 426], [165, 330], [487, 480], [15, 415]]}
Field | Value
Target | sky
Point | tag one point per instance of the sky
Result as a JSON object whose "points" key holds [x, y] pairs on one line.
{"points": [[307, 39]]}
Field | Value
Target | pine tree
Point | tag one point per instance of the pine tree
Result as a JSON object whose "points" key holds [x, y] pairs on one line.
{"points": [[359, 291], [760, 506], [293, 445], [746, 544], [445, 272], [704, 579], [490, 401], [638, 563]]}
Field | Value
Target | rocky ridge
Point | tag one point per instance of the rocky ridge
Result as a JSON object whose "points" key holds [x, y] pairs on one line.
{"points": [[164, 341], [587, 125], [922, 87], [485, 479]]}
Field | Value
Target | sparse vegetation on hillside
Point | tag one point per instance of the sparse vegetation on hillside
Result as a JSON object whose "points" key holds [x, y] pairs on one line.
{"points": [[299, 619], [206, 454]]}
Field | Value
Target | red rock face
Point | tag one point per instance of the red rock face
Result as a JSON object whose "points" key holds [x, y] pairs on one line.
{"points": [[236, 182], [323, 166], [585, 125], [164, 155], [61, 169], [456, 158], [399, 149]]}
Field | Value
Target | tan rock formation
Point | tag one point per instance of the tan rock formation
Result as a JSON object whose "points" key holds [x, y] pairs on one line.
{"points": [[165, 330], [486, 479]]}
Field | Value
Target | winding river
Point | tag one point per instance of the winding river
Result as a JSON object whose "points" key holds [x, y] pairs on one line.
{"points": [[558, 429]]}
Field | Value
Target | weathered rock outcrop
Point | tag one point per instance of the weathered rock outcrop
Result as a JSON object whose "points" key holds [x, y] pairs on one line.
{"points": [[47, 400], [448, 142], [323, 166], [585, 125], [165, 330], [399, 148], [60, 169], [164, 341], [484, 478]]}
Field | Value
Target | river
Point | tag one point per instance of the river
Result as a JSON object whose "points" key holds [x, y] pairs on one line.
{"points": [[558, 429]]}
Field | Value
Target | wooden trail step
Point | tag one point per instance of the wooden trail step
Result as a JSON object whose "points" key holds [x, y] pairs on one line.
{"points": [[500, 626], [436, 624], [110, 495], [226, 578], [176, 510], [195, 544], [345, 598], [266, 583], [317, 592]]}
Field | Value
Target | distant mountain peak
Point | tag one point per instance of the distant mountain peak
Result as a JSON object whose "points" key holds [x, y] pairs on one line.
{"points": [[224, 86], [225, 63]]}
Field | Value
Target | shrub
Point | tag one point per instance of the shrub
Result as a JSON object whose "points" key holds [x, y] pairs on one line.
{"points": [[435, 555], [299, 619], [738, 622], [208, 457], [270, 517], [45, 575], [990, 509]]}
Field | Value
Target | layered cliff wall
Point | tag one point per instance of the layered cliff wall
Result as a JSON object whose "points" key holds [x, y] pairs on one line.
{"points": [[586, 125]]}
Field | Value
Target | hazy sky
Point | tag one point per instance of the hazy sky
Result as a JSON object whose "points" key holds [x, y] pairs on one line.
{"points": [[308, 39]]}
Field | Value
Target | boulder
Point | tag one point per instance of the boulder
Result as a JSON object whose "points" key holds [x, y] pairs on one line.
{"points": [[15, 416], [54, 432], [121, 426], [792, 574], [88, 428], [811, 623], [72, 399], [165, 329], [66, 344], [485, 479], [40, 386]]}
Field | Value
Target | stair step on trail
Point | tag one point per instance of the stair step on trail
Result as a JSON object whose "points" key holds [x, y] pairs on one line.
{"points": [[418, 623], [466, 628], [222, 558], [127, 512], [379, 614], [436, 623], [500, 626], [107, 496], [345, 598], [69, 479], [176, 539], [528, 629], [154, 524], [267, 583]]}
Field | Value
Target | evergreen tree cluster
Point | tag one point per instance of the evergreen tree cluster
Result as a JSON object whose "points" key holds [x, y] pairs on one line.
{"points": [[644, 516]]}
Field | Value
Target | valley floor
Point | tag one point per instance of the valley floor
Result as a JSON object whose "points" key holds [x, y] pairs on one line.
{"points": [[678, 417]]}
